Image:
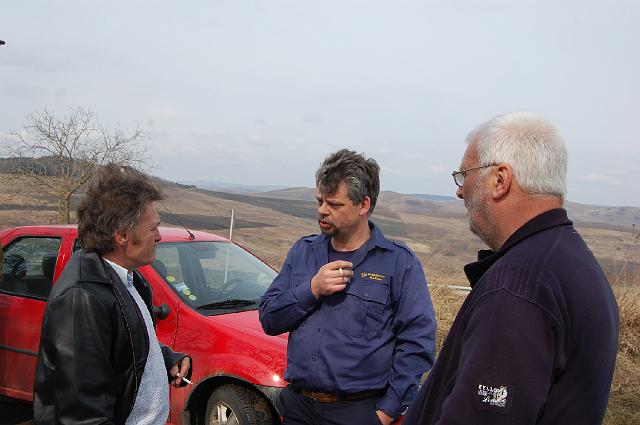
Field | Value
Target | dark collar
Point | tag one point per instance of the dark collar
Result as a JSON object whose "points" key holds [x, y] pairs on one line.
{"points": [[486, 258], [376, 239], [92, 268], [320, 246]]}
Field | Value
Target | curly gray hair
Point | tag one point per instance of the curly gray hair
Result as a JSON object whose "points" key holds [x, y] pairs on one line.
{"points": [[360, 174]]}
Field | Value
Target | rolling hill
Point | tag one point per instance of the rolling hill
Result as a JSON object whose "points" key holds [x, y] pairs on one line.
{"points": [[269, 222]]}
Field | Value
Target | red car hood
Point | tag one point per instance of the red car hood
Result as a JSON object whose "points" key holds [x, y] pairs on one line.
{"points": [[249, 323]]}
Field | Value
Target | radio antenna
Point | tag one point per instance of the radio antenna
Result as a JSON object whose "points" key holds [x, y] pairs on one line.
{"points": [[175, 217]]}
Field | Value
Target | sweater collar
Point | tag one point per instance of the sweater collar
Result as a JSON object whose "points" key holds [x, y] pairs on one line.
{"points": [[486, 258]]}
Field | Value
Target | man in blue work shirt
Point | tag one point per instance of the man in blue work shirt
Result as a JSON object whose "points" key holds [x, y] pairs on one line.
{"points": [[361, 322]]}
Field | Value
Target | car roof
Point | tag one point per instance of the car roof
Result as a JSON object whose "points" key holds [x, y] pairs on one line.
{"points": [[168, 234]]}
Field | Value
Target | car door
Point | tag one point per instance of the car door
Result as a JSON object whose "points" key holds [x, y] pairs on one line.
{"points": [[28, 267]]}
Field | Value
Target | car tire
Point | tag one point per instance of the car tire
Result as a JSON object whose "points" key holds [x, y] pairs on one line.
{"points": [[236, 405]]}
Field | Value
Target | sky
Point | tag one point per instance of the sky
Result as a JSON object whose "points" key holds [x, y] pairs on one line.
{"points": [[259, 92]]}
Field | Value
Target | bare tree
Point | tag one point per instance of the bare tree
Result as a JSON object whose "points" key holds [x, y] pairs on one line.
{"points": [[52, 158]]}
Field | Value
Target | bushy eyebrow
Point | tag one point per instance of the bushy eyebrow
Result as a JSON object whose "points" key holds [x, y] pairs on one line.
{"points": [[329, 200]]}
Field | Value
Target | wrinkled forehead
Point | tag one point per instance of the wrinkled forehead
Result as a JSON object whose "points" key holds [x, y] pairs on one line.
{"points": [[470, 156], [325, 191], [150, 214]]}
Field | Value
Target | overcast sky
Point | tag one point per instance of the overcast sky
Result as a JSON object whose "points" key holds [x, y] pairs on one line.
{"points": [[259, 92]]}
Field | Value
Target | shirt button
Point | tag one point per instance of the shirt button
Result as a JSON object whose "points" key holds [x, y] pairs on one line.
{"points": [[314, 358], [366, 295]]}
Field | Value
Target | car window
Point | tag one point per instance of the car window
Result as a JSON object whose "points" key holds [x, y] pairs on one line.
{"points": [[168, 266], [28, 266], [206, 272]]}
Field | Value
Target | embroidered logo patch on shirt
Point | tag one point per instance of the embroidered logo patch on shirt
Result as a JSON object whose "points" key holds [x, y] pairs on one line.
{"points": [[493, 398], [371, 276]]}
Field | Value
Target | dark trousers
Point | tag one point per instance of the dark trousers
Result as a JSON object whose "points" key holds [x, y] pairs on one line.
{"points": [[303, 410]]}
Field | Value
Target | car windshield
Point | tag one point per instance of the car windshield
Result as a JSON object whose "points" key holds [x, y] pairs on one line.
{"points": [[213, 277]]}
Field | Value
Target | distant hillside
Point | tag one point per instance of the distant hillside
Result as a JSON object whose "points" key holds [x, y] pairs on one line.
{"points": [[300, 193], [230, 187], [623, 218], [209, 222], [307, 193], [388, 206], [306, 209], [269, 222], [440, 198], [437, 230], [620, 218]]}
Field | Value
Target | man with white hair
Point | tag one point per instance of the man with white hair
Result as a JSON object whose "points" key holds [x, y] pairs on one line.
{"points": [[535, 341]]}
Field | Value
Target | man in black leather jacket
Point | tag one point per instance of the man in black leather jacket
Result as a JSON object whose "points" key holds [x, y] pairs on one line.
{"points": [[99, 360]]}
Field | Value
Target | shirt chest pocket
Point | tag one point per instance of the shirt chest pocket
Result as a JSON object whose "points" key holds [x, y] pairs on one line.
{"points": [[364, 312]]}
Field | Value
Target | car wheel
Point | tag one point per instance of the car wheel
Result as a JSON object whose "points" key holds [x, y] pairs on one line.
{"points": [[235, 405]]}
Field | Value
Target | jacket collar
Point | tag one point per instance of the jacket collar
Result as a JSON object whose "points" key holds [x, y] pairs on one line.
{"points": [[486, 258], [92, 268], [320, 246]]}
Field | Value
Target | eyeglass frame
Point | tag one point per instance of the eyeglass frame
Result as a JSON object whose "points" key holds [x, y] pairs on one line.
{"points": [[463, 173]]}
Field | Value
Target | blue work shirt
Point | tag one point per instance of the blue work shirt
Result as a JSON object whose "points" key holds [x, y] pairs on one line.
{"points": [[379, 333]]}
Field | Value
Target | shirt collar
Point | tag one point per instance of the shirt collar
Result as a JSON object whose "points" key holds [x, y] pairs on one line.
{"points": [[486, 258], [125, 276], [376, 239], [320, 246]]}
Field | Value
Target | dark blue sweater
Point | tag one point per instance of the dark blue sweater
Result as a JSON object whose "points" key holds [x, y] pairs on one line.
{"points": [[535, 341]]}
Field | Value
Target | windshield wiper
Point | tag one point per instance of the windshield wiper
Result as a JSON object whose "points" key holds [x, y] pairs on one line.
{"points": [[228, 304]]}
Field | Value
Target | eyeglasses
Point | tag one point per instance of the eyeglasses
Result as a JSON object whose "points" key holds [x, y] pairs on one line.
{"points": [[458, 176]]}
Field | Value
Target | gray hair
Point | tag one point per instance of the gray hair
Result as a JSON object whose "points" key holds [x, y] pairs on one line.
{"points": [[531, 145], [360, 174]]}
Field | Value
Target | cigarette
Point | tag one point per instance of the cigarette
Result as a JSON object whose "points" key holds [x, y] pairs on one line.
{"points": [[184, 379]]}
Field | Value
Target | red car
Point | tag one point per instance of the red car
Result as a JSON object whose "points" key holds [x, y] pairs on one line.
{"points": [[206, 291]]}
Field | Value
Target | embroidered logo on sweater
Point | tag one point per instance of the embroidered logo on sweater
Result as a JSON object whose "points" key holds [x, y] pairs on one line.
{"points": [[493, 397]]}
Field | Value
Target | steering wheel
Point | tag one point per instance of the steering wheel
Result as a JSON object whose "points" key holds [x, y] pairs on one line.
{"points": [[228, 286]]}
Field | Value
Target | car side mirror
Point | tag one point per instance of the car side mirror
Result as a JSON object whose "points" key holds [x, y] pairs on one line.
{"points": [[161, 311]]}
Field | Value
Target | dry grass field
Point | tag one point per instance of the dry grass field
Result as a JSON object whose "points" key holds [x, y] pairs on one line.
{"points": [[438, 232]]}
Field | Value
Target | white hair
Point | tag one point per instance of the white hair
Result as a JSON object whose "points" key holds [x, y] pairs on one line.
{"points": [[531, 145]]}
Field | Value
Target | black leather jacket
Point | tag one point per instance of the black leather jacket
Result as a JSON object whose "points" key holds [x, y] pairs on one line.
{"points": [[93, 347]]}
